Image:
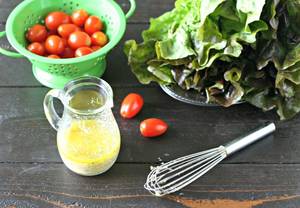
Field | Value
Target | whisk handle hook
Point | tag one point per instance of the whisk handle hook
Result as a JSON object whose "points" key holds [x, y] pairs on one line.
{"points": [[243, 141]]}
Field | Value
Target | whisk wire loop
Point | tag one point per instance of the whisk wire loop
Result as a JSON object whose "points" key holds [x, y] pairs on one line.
{"points": [[176, 174]]}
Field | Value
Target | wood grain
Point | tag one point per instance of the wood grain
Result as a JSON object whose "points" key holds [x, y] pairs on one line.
{"points": [[32, 174], [230, 186], [26, 136]]}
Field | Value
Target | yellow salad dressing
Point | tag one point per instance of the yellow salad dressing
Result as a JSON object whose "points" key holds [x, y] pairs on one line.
{"points": [[89, 146]]}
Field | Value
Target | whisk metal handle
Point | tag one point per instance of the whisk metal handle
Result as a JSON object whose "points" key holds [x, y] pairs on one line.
{"points": [[244, 141]]}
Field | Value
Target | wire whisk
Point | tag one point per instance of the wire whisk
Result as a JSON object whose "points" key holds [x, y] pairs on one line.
{"points": [[176, 174]]}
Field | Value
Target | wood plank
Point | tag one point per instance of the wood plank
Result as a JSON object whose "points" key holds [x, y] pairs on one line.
{"points": [[145, 9], [17, 72], [26, 136], [230, 186]]}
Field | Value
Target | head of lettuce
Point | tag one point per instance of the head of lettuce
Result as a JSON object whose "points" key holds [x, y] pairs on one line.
{"points": [[233, 50]]}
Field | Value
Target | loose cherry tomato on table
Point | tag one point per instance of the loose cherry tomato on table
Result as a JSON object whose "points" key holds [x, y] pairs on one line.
{"points": [[83, 51], [99, 38], [54, 45], [131, 105], [68, 53], [79, 39], [36, 48], [65, 30], [37, 33], [55, 19], [153, 127], [93, 24], [79, 17], [54, 56]]}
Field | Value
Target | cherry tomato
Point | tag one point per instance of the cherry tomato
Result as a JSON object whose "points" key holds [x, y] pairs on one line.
{"points": [[55, 19], [54, 45], [79, 39], [37, 33], [54, 56], [65, 40], [93, 24], [36, 48], [65, 30], [99, 38], [153, 127], [131, 105], [96, 48], [52, 32], [83, 51], [69, 19], [79, 17], [68, 53]]}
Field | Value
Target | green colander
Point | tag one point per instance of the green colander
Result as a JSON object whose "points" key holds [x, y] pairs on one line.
{"points": [[55, 73]]}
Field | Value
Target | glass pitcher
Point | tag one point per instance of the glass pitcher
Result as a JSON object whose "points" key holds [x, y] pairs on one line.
{"points": [[88, 137]]}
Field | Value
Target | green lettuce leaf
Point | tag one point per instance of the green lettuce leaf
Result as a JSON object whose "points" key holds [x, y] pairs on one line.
{"points": [[218, 93], [177, 47], [138, 55], [229, 50]]}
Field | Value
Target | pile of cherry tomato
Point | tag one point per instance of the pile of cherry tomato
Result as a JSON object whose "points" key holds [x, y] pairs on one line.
{"points": [[65, 36]]}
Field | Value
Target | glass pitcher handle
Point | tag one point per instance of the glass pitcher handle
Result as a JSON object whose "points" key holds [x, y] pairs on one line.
{"points": [[49, 109]]}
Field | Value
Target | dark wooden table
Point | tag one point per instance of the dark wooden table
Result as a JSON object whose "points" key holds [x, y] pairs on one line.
{"points": [[32, 174]]}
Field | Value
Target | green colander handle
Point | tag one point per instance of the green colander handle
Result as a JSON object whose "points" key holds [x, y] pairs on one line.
{"points": [[131, 10], [9, 53]]}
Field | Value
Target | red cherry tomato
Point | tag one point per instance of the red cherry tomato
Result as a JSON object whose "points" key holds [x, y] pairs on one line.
{"points": [[79, 39], [65, 30], [65, 42], [131, 105], [37, 33], [36, 48], [93, 24], [153, 127], [96, 48], [69, 19], [79, 17], [68, 53], [83, 51], [55, 19], [52, 32], [99, 38], [54, 45], [54, 56]]}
